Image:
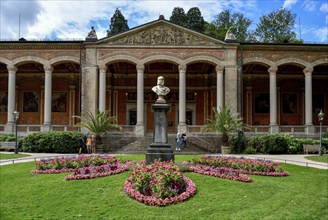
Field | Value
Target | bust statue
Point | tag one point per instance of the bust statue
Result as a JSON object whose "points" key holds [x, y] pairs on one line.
{"points": [[161, 90]]}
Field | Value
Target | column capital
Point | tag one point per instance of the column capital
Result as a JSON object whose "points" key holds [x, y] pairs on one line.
{"points": [[48, 68], [102, 68], [182, 68], [273, 70], [12, 69], [219, 69], [308, 71], [140, 67]]}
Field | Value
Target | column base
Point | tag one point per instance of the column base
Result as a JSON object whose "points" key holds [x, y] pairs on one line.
{"points": [[10, 128], [46, 128], [182, 128], [139, 130], [310, 129], [274, 129]]}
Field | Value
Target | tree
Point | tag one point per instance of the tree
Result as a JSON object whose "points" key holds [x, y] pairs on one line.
{"points": [[237, 22], [195, 20], [224, 121], [118, 23], [178, 16], [276, 27], [98, 124]]}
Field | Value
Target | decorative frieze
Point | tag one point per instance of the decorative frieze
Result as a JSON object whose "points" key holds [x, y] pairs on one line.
{"points": [[162, 35]]}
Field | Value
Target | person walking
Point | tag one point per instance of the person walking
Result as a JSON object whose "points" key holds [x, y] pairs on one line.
{"points": [[178, 139]]}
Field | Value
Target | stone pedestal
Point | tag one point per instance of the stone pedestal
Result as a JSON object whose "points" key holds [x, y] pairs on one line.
{"points": [[160, 149]]}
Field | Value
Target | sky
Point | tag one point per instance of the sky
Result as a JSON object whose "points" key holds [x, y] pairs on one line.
{"points": [[73, 19]]}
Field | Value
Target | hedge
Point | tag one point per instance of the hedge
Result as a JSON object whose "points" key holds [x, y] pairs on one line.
{"points": [[280, 143], [51, 142]]}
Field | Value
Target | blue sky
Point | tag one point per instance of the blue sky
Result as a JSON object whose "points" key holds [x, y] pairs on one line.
{"points": [[72, 19]]}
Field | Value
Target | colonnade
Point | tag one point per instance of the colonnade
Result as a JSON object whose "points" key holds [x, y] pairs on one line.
{"points": [[12, 106], [273, 99], [140, 125]]}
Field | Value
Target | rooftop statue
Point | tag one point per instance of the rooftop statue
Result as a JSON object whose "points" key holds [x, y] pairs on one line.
{"points": [[92, 33]]}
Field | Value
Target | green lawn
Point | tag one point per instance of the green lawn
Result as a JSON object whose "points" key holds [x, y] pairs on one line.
{"points": [[12, 156], [323, 158], [302, 195]]}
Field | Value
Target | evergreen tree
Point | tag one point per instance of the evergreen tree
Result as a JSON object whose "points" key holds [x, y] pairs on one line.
{"points": [[195, 20], [118, 23], [178, 16], [276, 27], [225, 20]]}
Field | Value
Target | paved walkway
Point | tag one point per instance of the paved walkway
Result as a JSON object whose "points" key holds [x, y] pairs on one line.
{"points": [[298, 159]]}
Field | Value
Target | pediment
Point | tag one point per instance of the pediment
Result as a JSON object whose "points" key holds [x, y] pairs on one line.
{"points": [[159, 33]]}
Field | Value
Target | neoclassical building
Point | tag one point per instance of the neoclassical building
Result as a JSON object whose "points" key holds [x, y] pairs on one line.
{"points": [[275, 87]]}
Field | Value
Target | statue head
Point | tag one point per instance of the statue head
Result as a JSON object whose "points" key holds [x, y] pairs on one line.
{"points": [[160, 81]]}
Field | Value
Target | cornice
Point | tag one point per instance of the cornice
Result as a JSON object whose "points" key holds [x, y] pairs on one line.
{"points": [[39, 46], [287, 47]]}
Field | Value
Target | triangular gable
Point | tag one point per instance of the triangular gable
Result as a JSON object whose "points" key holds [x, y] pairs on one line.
{"points": [[161, 32]]}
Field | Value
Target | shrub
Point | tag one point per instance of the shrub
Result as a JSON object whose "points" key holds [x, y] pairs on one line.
{"points": [[275, 144], [249, 150], [7, 138], [51, 142], [238, 142]]}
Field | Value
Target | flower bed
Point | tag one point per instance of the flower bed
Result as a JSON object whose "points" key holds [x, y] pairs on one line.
{"points": [[159, 183], [243, 165], [221, 172], [71, 163], [97, 171]]}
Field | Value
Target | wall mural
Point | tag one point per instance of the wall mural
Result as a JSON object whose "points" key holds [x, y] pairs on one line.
{"points": [[3, 101], [289, 103], [59, 102], [30, 102], [262, 103]]}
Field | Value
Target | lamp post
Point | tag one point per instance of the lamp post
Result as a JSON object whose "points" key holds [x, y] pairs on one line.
{"points": [[16, 116], [321, 116]]}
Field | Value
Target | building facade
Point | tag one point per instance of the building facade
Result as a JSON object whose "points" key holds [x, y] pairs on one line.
{"points": [[275, 87]]}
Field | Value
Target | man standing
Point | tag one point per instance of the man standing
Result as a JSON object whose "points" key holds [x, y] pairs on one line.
{"points": [[184, 139], [80, 143]]}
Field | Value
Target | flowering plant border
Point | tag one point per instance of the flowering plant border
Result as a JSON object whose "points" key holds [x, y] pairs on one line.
{"points": [[152, 201], [243, 165], [221, 172], [70, 163], [95, 172]]}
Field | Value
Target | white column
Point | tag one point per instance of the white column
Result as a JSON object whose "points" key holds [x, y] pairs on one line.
{"points": [[47, 97], [308, 99], [11, 97], [273, 99], [182, 98], [140, 127], [219, 87], [102, 88]]}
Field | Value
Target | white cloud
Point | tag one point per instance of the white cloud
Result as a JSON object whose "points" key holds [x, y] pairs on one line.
{"points": [[69, 19], [322, 34], [309, 5], [289, 3], [324, 7]]}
